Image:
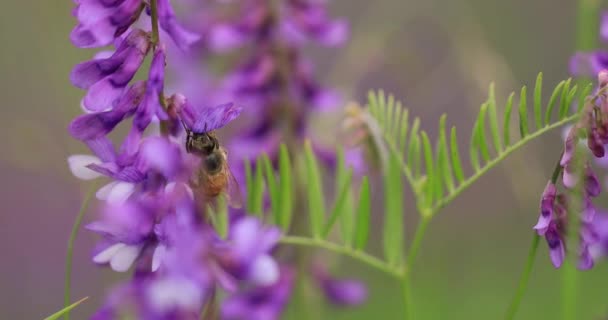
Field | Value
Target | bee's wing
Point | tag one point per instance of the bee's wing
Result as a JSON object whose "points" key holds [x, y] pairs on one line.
{"points": [[233, 190]]}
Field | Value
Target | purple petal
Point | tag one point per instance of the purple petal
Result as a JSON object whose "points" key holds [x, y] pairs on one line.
{"points": [[102, 147], [100, 23], [103, 93], [182, 37], [226, 37], [557, 251], [95, 125], [595, 144], [585, 261], [569, 177], [201, 120], [592, 184]]}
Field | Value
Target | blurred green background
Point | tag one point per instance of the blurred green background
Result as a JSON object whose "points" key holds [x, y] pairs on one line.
{"points": [[437, 56]]}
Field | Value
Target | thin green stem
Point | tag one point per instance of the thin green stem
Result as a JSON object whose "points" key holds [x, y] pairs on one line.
{"points": [[523, 281], [355, 254], [569, 289], [70, 251], [154, 18], [411, 258]]}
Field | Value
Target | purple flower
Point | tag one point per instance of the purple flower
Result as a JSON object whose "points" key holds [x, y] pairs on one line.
{"points": [[546, 208], [260, 303], [342, 292], [310, 20], [101, 21], [96, 125], [105, 79], [248, 257], [182, 37]]}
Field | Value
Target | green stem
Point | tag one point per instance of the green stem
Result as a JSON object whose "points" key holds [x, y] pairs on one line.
{"points": [[587, 27], [68, 258], [154, 18], [523, 281], [411, 258], [355, 254]]}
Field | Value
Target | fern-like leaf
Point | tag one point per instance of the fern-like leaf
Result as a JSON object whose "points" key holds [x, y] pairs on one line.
{"points": [[435, 186]]}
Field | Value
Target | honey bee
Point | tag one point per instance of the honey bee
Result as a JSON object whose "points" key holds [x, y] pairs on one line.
{"points": [[213, 177]]}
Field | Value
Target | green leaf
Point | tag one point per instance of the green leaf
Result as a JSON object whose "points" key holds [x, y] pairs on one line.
{"points": [[65, 311], [393, 217], [390, 120], [570, 99], [347, 216], [456, 163], [382, 108], [286, 189], [443, 155], [506, 126], [494, 120], [257, 193], [373, 105], [316, 201], [363, 215], [273, 190], [587, 88], [413, 153], [249, 185], [396, 123], [552, 101], [523, 113], [338, 205], [429, 166], [473, 149], [538, 94], [404, 126], [482, 144], [564, 106]]}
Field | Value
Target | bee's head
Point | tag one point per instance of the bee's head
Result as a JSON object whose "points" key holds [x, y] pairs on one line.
{"points": [[200, 143]]}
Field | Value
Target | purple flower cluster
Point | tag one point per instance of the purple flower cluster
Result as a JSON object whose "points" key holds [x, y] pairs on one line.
{"points": [[152, 221], [556, 206], [273, 79]]}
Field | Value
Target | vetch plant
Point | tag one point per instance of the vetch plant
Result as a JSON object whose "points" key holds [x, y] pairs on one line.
{"points": [[170, 213]]}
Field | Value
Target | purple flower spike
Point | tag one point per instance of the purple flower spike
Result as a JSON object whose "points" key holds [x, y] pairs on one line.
{"points": [[106, 78], [101, 21], [182, 37], [204, 119], [546, 208]]}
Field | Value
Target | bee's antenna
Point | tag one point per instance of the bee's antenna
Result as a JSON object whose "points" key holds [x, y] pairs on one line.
{"points": [[188, 131]]}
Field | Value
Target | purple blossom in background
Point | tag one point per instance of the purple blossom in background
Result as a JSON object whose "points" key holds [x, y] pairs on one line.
{"points": [[589, 64], [274, 80], [341, 292]]}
